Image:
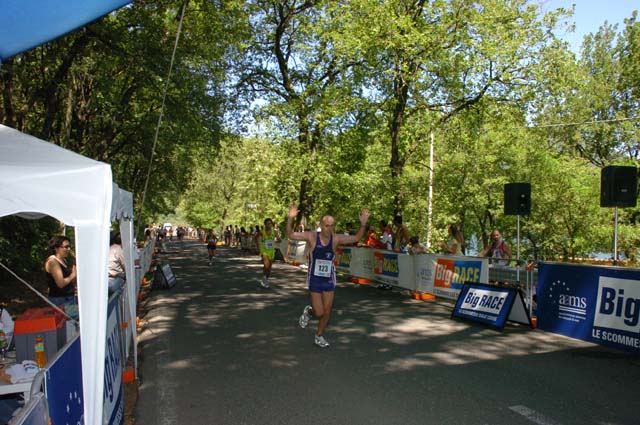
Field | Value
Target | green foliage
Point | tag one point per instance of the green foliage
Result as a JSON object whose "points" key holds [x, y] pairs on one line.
{"points": [[346, 97], [23, 244], [238, 185], [98, 91]]}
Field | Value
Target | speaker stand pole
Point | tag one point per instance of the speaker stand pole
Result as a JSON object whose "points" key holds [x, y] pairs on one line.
{"points": [[615, 237], [518, 255]]}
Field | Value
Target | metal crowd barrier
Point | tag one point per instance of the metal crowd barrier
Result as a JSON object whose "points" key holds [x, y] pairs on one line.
{"points": [[524, 277]]}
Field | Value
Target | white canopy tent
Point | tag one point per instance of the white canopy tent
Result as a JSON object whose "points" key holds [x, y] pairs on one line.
{"points": [[122, 210], [40, 177]]}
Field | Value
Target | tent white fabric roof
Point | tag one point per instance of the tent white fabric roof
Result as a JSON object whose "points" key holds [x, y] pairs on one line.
{"points": [[39, 177]]}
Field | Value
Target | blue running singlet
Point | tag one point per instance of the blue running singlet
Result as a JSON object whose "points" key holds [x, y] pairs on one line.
{"points": [[322, 273]]}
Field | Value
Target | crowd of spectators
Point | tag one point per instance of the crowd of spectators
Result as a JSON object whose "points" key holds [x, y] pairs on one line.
{"points": [[392, 236]]}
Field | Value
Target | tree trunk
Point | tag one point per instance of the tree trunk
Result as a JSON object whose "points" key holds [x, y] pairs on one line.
{"points": [[400, 91], [7, 93]]}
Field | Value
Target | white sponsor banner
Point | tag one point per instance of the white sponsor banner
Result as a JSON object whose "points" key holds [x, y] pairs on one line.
{"points": [[294, 251], [406, 275], [485, 300], [425, 266], [618, 304], [362, 263]]}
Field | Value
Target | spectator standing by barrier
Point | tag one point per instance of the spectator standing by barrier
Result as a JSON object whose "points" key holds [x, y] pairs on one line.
{"points": [[415, 246], [349, 231], [401, 235], [266, 241], [147, 237], [321, 275], [227, 236], [386, 236], [254, 236], [115, 264], [244, 235], [236, 234], [61, 276], [162, 235], [499, 251], [454, 243], [373, 241]]}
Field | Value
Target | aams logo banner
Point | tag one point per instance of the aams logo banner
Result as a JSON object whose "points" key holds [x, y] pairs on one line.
{"points": [[596, 304]]}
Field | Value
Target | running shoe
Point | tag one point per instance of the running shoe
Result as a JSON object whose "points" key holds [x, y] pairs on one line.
{"points": [[305, 317], [264, 283], [321, 342]]}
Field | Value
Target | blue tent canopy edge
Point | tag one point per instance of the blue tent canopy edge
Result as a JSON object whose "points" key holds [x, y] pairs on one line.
{"points": [[25, 24]]}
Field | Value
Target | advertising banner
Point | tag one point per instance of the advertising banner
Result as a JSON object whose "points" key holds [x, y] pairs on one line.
{"points": [[296, 252], [450, 273], [169, 277], [362, 263], [63, 382], [595, 304], [385, 267], [425, 268], [113, 412], [342, 260], [490, 305], [407, 275]]}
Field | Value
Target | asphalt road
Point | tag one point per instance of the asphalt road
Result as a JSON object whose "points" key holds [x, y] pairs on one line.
{"points": [[217, 349]]}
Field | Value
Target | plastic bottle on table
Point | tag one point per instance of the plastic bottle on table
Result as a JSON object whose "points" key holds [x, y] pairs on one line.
{"points": [[3, 345], [41, 355]]}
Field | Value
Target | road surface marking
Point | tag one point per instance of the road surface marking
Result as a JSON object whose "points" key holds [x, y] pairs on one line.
{"points": [[533, 416]]}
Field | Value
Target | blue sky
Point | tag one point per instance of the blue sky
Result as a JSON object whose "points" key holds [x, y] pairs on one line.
{"points": [[589, 15]]}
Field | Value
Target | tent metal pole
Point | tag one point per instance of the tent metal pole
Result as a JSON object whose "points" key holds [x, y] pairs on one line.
{"points": [[615, 237], [430, 204], [518, 254]]}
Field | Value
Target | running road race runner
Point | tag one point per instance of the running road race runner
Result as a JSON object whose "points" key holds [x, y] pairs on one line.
{"points": [[321, 277]]}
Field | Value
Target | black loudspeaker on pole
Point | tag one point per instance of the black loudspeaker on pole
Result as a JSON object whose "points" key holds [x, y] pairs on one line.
{"points": [[618, 186], [517, 199]]}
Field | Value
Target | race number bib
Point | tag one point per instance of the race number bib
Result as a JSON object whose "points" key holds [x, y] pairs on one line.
{"points": [[323, 268], [268, 244]]}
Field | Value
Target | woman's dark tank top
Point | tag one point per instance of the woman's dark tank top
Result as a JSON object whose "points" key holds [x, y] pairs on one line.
{"points": [[54, 290]]}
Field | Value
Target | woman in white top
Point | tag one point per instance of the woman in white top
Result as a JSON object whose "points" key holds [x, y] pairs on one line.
{"points": [[455, 242]]}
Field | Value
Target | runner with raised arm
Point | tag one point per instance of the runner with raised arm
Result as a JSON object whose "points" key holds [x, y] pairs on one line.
{"points": [[321, 275], [266, 241]]}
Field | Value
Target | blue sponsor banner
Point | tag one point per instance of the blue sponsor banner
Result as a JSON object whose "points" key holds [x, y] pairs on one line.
{"points": [[486, 304], [63, 378], [386, 264], [113, 365], [63, 381], [595, 304], [343, 259]]}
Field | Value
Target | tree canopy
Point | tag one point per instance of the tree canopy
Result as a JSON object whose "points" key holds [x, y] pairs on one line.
{"points": [[340, 105]]}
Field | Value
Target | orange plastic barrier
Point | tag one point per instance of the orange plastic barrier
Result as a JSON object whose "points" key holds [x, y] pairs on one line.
{"points": [[128, 375], [361, 281]]}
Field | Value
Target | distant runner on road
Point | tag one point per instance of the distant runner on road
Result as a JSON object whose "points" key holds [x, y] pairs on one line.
{"points": [[212, 240], [321, 276], [266, 241]]}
